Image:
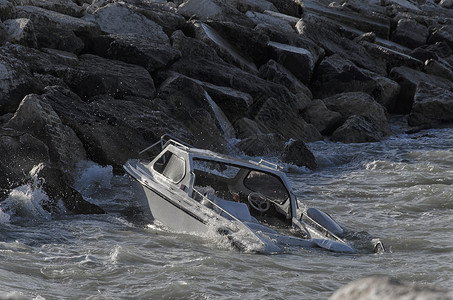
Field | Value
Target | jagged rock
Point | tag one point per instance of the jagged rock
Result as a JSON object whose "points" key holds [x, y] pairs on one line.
{"points": [[392, 58], [388, 288], [118, 18], [261, 144], [366, 119], [246, 128], [254, 5], [297, 153], [200, 62], [250, 43], [276, 73], [38, 118], [189, 103], [298, 61], [21, 31], [138, 50], [324, 120], [7, 10], [20, 153], [446, 3], [409, 79], [16, 81], [439, 68], [162, 13], [278, 117], [111, 130], [354, 16], [98, 76], [67, 31], [331, 37], [292, 7], [357, 129], [233, 103], [265, 20], [217, 10], [434, 51], [433, 106], [442, 34], [224, 48], [65, 7], [338, 75], [410, 33]]}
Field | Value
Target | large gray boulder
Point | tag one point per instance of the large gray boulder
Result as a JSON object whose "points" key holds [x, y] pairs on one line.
{"points": [[409, 79], [16, 81], [119, 18], [297, 153], [410, 33], [388, 288], [433, 106], [366, 119], [21, 31], [330, 36], [135, 49], [339, 75], [68, 33], [279, 117]]}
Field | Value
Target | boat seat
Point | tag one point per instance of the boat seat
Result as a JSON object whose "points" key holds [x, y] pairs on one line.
{"points": [[237, 209]]}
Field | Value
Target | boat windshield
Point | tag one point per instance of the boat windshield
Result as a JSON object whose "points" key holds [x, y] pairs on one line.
{"points": [[268, 185]]}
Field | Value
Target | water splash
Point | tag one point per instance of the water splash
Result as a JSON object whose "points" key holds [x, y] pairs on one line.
{"points": [[26, 201]]}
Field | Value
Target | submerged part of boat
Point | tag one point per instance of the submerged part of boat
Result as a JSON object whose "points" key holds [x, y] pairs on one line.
{"points": [[251, 203]]}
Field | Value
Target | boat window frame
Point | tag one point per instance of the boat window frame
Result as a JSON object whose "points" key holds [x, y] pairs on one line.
{"points": [[277, 201], [166, 162]]}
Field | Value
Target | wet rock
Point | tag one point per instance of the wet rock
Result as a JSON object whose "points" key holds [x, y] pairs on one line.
{"points": [[357, 129], [187, 101], [255, 5], [292, 8], [7, 10], [228, 51], [20, 153], [366, 119], [97, 76], [65, 7], [324, 120], [16, 81], [217, 10], [409, 79], [410, 33], [21, 31], [138, 50], [278, 117], [67, 31], [246, 128], [338, 75], [433, 106], [297, 153], [118, 18], [298, 61], [266, 20], [233, 103], [388, 288], [442, 34], [249, 42], [261, 144], [38, 118], [334, 40], [439, 68]]}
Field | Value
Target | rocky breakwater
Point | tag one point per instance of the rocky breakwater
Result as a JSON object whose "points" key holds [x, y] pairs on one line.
{"points": [[100, 80]]}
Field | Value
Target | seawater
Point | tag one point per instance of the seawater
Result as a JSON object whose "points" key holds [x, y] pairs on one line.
{"points": [[399, 189]]}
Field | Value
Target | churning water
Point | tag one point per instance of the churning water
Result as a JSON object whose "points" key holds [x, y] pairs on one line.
{"points": [[400, 189]]}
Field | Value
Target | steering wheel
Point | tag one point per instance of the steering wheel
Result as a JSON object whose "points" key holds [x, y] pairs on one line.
{"points": [[258, 202]]}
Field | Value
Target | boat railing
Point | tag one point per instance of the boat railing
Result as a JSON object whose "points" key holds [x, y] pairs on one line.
{"points": [[165, 140], [264, 162], [221, 209]]}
